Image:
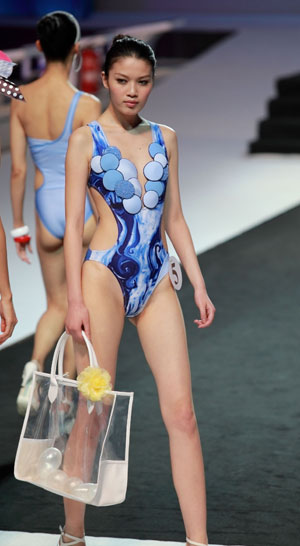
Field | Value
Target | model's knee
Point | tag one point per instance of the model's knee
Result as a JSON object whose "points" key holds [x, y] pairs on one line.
{"points": [[181, 418], [57, 306]]}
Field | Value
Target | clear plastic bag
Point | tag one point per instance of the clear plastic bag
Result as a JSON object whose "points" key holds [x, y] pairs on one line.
{"points": [[72, 446]]}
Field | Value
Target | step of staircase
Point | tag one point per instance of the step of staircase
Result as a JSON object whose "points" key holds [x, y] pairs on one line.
{"points": [[289, 86], [279, 128], [266, 146], [284, 107]]}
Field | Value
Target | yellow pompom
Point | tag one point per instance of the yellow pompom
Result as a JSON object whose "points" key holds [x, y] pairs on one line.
{"points": [[94, 383]]}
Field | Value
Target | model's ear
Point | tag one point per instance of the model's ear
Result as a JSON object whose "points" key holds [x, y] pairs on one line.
{"points": [[38, 45], [76, 47], [104, 79]]}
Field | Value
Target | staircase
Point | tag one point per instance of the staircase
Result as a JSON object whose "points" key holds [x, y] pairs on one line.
{"points": [[280, 131]]}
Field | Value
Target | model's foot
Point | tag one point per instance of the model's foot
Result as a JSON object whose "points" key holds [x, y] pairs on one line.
{"points": [[24, 393], [66, 538]]}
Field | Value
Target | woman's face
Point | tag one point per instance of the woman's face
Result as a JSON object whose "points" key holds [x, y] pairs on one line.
{"points": [[129, 82]]}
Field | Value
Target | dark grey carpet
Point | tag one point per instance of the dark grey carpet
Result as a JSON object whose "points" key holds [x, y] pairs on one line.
{"points": [[246, 385]]}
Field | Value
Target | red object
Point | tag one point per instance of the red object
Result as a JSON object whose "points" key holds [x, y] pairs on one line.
{"points": [[24, 239], [90, 73]]}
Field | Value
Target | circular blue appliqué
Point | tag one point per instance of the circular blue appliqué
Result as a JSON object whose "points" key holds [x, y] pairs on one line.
{"points": [[109, 162], [132, 205], [161, 158], [137, 186], [155, 148], [153, 170], [124, 189], [150, 199], [111, 178], [127, 168], [159, 187], [113, 150], [95, 164]]}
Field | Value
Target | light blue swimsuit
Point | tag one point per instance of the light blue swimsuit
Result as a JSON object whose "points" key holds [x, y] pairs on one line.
{"points": [[49, 157], [138, 259]]}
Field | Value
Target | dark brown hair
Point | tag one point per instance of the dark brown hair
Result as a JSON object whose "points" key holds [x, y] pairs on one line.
{"points": [[128, 46]]}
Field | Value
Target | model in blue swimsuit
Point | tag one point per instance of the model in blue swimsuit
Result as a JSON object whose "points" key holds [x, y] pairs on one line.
{"points": [[138, 259], [49, 157]]}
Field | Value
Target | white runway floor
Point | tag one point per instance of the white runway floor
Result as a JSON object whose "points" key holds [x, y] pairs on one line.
{"points": [[10, 538]]}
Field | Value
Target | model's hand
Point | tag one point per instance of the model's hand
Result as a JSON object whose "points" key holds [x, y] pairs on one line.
{"points": [[206, 308], [77, 320], [8, 319], [22, 251]]}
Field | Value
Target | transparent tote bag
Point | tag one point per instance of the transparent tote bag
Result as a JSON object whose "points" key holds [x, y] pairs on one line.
{"points": [[73, 445]]}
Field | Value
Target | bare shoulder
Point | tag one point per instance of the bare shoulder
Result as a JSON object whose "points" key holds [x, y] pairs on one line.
{"points": [[90, 104], [170, 138], [81, 138], [88, 99], [169, 134]]}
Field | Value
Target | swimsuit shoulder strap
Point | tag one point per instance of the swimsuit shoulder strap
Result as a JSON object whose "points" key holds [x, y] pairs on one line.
{"points": [[99, 138], [157, 134], [71, 112]]}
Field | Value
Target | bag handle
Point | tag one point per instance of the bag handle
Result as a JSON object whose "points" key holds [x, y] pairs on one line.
{"points": [[58, 359]]}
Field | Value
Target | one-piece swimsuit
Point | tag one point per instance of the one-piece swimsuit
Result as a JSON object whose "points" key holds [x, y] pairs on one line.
{"points": [[49, 157], [138, 259]]}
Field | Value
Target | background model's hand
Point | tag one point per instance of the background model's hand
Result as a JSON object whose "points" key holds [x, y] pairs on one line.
{"points": [[78, 319], [22, 251], [206, 308], [8, 319]]}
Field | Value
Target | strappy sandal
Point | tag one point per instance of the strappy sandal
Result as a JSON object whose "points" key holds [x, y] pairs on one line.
{"points": [[75, 540], [194, 543]]}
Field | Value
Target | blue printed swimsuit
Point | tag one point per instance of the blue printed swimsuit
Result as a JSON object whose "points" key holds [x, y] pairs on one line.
{"points": [[138, 259]]}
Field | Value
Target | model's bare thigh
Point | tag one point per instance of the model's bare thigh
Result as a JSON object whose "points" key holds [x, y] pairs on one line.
{"points": [[104, 301], [162, 333], [50, 250]]}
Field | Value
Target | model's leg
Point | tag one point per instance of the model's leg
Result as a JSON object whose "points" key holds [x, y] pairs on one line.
{"points": [[103, 298], [162, 322], [51, 323]]}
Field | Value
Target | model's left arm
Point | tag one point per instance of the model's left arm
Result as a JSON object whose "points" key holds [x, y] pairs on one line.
{"points": [[179, 234]]}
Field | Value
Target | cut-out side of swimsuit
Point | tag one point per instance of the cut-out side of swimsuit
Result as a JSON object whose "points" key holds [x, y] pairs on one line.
{"points": [[138, 259], [49, 157]]}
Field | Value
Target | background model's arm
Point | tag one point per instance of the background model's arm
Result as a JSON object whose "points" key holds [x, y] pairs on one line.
{"points": [[18, 164], [18, 147], [179, 233], [7, 313], [77, 169]]}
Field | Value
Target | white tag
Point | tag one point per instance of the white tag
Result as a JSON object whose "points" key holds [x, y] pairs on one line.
{"points": [[175, 273], [90, 406]]}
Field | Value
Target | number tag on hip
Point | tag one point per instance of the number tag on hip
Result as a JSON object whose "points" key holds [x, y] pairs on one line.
{"points": [[175, 273]]}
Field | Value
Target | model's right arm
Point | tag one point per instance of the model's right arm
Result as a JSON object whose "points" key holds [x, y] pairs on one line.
{"points": [[18, 147], [77, 170]]}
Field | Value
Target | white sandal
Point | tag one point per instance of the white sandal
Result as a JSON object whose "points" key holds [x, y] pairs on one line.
{"points": [[194, 543], [75, 540]]}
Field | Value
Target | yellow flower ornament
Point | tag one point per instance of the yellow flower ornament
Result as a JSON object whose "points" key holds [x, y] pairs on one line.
{"points": [[94, 383]]}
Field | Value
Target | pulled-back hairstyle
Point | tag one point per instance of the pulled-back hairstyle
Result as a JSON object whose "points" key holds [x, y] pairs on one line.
{"points": [[128, 46], [58, 31]]}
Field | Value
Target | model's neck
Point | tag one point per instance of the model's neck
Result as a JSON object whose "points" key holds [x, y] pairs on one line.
{"points": [[58, 70], [114, 117]]}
